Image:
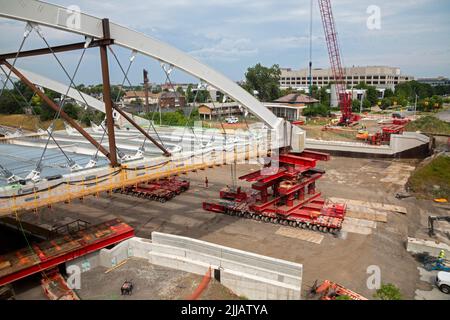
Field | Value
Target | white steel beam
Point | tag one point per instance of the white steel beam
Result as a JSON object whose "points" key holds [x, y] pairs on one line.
{"points": [[58, 17], [54, 16]]}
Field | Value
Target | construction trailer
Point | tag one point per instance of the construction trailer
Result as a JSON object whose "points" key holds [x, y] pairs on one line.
{"points": [[284, 192]]}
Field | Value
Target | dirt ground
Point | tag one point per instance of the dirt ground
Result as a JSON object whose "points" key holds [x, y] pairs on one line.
{"points": [[346, 134], [342, 259]]}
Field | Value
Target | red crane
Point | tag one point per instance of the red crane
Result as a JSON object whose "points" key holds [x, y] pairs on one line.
{"points": [[345, 101]]}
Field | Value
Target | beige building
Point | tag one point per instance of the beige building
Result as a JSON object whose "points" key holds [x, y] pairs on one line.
{"points": [[215, 110], [133, 96], [379, 76], [290, 107]]}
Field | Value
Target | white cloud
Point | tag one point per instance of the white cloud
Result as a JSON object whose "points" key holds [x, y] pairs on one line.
{"points": [[233, 33], [226, 49]]}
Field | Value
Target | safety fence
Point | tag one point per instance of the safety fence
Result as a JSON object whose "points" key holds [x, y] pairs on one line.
{"points": [[16, 198]]}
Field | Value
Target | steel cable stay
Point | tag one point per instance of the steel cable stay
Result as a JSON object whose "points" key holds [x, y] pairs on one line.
{"points": [[28, 29], [189, 116], [224, 133], [35, 174], [70, 161], [141, 150], [167, 71]]}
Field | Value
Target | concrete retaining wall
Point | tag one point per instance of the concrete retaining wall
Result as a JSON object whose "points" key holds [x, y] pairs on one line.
{"points": [[251, 275], [432, 247], [406, 145]]}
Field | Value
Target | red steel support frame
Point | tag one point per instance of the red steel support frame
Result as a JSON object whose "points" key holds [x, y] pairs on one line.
{"points": [[107, 96], [156, 143], [55, 49]]}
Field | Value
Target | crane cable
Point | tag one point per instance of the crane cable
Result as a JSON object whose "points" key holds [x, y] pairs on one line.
{"points": [[189, 116]]}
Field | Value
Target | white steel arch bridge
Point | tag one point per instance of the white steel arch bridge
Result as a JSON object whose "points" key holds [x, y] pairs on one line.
{"points": [[35, 192]]}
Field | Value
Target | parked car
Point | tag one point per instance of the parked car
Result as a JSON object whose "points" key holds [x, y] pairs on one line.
{"points": [[232, 120], [443, 281]]}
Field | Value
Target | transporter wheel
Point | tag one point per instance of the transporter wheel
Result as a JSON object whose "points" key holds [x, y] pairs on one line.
{"points": [[162, 200], [314, 228], [325, 230], [320, 229]]}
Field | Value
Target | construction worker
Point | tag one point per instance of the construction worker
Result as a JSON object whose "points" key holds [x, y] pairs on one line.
{"points": [[206, 182], [441, 255]]}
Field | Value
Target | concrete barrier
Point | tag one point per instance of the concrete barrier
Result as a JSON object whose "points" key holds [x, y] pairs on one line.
{"points": [[426, 246], [246, 274]]}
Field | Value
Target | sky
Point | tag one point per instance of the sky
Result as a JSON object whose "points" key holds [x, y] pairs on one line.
{"points": [[231, 35]]}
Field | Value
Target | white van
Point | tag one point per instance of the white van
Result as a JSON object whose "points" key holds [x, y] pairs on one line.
{"points": [[443, 281]]}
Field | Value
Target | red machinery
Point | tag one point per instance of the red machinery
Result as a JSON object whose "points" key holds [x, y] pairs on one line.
{"points": [[55, 286], [332, 291], [285, 193], [334, 54], [161, 190], [384, 136]]}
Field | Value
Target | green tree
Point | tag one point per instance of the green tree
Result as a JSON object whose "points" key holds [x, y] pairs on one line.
{"points": [[356, 105], [371, 92], [316, 110], [10, 103], [156, 89], [72, 110], [388, 93], [344, 297], [388, 292], [180, 91], [323, 96], [264, 80], [408, 90], [367, 104]]}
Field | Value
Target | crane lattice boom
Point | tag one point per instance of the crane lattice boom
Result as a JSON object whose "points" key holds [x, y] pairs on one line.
{"points": [[335, 61]]}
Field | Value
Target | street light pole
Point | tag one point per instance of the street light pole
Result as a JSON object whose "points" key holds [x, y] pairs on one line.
{"points": [[415, 107]]}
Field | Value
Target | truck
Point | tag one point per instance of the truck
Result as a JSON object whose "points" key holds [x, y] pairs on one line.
{"points": [[443, 281]]}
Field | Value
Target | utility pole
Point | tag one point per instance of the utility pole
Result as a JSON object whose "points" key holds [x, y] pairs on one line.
{"points": [[310, 48], [415, 107]]}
